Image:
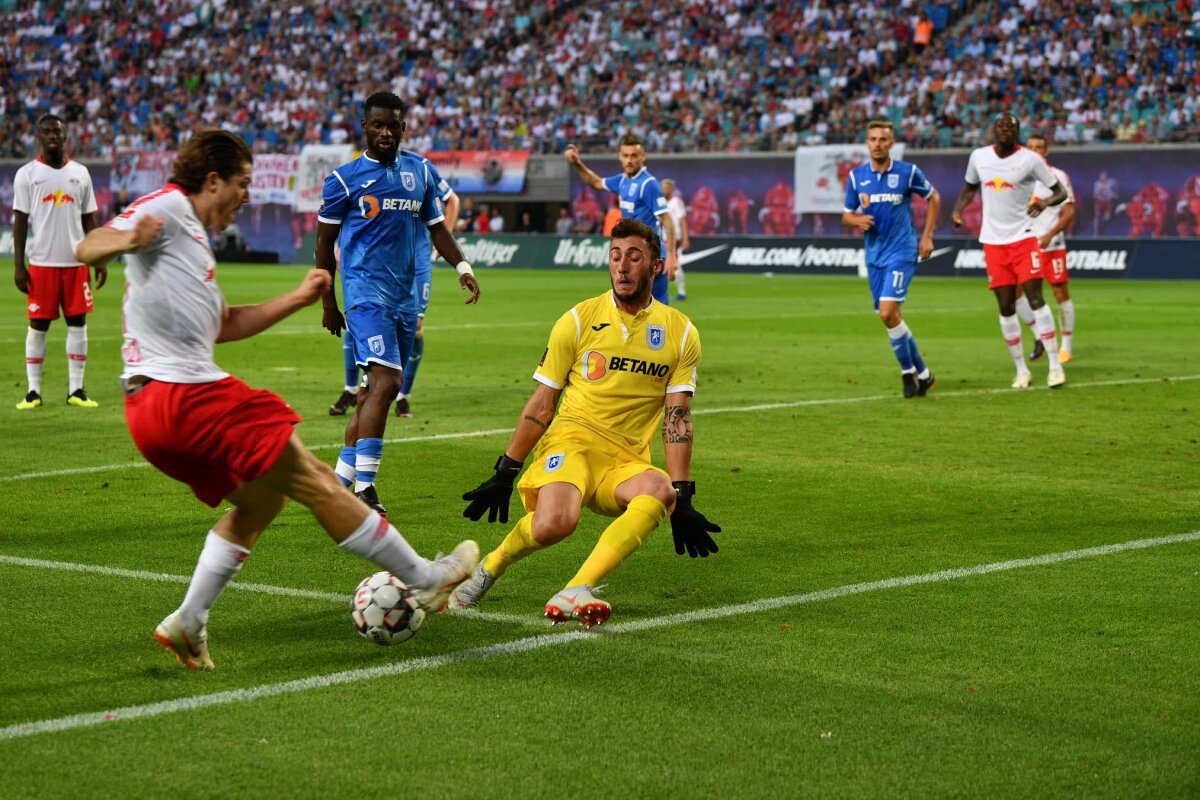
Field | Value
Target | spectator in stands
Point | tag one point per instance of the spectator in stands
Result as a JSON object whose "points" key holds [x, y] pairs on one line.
{"points": [[466, 216], [564, 224], [526, 223], [483, 220], [612, 216], [922, 32], [496, 223]]}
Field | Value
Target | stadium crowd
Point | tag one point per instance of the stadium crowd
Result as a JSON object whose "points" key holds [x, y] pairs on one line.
{"points": [[536, 74]]}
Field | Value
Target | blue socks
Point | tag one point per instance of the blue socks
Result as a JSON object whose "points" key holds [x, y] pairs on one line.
{"points": [[413, 364]]}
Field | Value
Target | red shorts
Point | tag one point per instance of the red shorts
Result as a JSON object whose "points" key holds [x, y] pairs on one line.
{"points": [[1012, 264], [51, 287], [211, 436], [1054, 266]]}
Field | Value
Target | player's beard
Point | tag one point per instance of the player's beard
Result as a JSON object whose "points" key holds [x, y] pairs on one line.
{"points": [[639, 295]]}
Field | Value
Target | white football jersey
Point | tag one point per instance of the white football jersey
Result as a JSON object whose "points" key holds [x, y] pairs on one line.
{"points": [[678, 212], [1007, 186], [1046, 221], [55, 200], [173, 307]]}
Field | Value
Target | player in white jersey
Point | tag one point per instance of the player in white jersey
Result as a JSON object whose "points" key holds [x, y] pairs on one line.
{"points": [[678, 212], [1009, 174], [198, 424], [53, 197], [1050, 227]]}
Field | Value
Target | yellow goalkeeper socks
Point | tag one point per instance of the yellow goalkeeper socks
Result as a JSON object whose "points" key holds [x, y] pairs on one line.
{"points": [[518, 544], [622, 537]]}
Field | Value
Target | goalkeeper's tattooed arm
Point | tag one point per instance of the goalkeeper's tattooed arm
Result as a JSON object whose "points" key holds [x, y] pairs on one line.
{"points": [[677, 435]]}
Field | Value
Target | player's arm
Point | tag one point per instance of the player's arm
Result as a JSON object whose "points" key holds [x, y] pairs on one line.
{"points": [[668, 226], [965, 197], [242, 322], [691, 530], [102, 245], [20, 234], [327, 236], [89, 224], [493, 495], [1066, 216], [1058, 194], [590, 178], [933, 210], [444, 242], [851, 218], [453, 207], [684, 242]]}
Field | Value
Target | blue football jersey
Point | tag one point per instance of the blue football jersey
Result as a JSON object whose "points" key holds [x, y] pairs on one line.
{"points": [[642, 199], [384, 210], [887, 197]]}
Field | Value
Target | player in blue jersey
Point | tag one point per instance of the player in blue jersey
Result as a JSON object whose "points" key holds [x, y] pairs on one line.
{"points": [[641, 198], [878, 195], [422, 286], [375, 208]]}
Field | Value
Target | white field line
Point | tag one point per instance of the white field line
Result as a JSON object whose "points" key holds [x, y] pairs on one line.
{"points": [[60, 724], [260, 588], [824, 401]]}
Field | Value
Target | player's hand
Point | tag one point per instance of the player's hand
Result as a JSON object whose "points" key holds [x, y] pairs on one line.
{"points": [[925, 247], [691, 529], [469, 283], [571, 154], [1044, 241], [956, 219], [493, 494], [145, 231], [1037, 207], [21, 278], [101, 276], [672, 265], [314, 286], [333, 320]]}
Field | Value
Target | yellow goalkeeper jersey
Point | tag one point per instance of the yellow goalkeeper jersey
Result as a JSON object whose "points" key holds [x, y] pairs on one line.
{"points": [[614, 369]]}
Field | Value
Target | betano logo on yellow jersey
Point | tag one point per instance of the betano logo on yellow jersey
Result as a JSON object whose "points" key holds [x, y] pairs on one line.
{"points": [[595, 365]]}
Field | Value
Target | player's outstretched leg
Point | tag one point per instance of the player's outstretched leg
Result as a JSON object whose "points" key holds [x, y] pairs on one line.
{"points": [[302, 476], [516, 545]]}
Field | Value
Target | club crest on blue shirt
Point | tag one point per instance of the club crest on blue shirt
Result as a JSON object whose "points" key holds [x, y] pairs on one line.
{"points": [[555, 461], [656, 336], [893, 181], [376, 345], [408, 180]]}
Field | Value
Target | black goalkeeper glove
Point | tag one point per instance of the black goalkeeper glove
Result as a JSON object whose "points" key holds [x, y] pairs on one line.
{"points": [[493, 494], [689, 527]]}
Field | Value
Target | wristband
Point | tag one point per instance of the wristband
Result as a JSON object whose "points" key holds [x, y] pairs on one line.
{"points": [[506, 463], [684, 490], [464, 268]]}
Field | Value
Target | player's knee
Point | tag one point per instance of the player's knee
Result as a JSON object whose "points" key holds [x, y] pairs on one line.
{"points": [[42, 325], [384, 384], [76, 321], [552, 526], [890, 316]]}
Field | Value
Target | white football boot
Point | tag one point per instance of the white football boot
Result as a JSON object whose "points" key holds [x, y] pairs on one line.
{"points": [[450, 571]]}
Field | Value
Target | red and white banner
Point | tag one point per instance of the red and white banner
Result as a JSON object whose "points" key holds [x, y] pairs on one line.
{"points": [[821, 173], [274, 179], [483, 171]]}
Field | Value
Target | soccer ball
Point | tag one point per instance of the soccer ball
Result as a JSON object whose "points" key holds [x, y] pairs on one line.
{"points": [[384, 610]]}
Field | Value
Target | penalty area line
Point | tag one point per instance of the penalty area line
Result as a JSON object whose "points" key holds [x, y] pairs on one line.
{"points": [[539, 642], [821, 401]]}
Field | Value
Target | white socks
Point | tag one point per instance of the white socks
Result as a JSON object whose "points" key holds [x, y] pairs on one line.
{"points": [[679, 287], [1066, 319], [1010, 329], [1043, 325], [1024, 310], [376, 540], [219, 561], [77, 346], [35, 355]]}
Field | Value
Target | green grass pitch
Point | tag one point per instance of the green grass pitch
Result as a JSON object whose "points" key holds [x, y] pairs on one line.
{"points": [[1072, 677]]}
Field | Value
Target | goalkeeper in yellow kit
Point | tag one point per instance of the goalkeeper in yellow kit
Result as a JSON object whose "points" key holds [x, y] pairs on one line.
{"points": [[621, 363]]}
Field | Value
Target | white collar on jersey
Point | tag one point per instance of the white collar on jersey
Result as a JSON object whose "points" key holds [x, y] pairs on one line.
{"points": [[891, 163]]}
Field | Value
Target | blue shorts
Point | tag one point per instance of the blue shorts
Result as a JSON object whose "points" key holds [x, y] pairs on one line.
{"points": [[891, 282], [662, 289], [381, 335]]}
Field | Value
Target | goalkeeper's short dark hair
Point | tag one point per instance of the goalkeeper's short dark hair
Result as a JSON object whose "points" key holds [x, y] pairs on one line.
{"points": [[631, 227]]}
